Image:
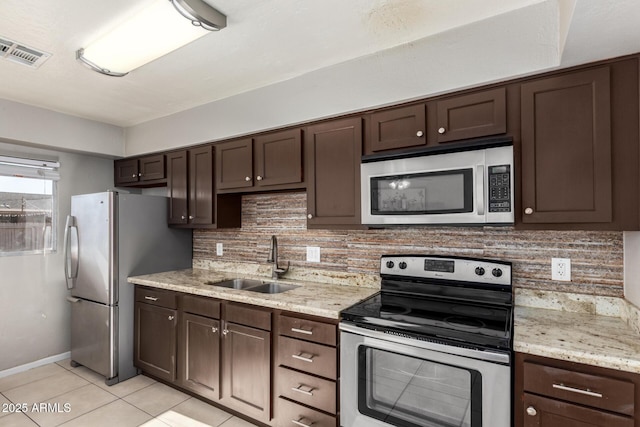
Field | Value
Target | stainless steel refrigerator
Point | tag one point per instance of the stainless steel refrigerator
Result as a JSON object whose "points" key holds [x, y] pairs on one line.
{"points": [[108, 237]]}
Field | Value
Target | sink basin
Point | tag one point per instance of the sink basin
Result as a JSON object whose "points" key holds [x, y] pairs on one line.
{"points": [[237, 283], [272, 288]]}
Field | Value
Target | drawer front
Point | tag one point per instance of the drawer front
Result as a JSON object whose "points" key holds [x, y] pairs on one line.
{"points": [[248, 316], [591, 390], [542, 412], [289, 414], [309, 330], [307, 357], [309, 390], [203, 306], [159, 297]]}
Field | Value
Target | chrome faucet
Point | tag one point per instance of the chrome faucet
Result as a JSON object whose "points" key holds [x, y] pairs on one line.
{"points": [[276, 272]]}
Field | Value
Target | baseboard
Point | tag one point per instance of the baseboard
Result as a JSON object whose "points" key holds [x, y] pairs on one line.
{"points": [[27, 366]]}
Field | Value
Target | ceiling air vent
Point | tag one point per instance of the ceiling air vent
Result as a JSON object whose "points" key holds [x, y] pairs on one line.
{"points": [[22, 54]]}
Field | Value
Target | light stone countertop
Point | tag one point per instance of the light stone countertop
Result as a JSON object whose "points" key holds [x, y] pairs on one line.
{"points": [[581, 337], [318, 299]]}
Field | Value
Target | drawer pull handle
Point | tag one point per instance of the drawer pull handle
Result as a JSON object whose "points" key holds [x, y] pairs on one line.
{"points": [[302, 331], [303, 358], [301, 424], [151, 298], [300, 389], [577, 390]]}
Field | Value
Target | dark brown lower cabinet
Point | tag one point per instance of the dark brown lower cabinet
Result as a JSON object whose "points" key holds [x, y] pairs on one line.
{"points": [[246, 366], [155, 340], [199, 367], [556, 393]]}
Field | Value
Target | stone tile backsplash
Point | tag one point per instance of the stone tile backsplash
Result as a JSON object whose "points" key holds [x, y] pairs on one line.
{"points": [[596, 256]]}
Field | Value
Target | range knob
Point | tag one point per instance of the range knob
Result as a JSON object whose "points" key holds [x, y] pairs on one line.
{"points": [[496, 272], [480, 271], [402, 265], [390, 264]]}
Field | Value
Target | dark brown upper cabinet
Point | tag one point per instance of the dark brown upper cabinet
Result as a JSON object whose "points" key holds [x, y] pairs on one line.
{"points": [[333, 151], [190, 182], [272, 161], [145, 171], [567, 149], [471, 116], [397, 128]]}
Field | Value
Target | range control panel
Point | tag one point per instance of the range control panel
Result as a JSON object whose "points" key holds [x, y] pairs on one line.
{"points": [[448, 268], [500, 188]]}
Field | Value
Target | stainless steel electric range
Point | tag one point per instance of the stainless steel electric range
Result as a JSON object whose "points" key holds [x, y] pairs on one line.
{"points": [[433, 348]]}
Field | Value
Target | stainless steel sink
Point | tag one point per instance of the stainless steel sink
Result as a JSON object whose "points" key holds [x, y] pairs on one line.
{"points": [[254, 286], [237, 283], [272, 288]]}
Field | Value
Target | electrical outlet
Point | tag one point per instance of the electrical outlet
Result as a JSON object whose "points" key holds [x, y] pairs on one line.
{"points": [[313, 254], [561, 269], [219, 250]]}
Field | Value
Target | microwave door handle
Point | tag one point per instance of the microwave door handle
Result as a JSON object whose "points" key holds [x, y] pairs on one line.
{"points": [[480, 189]]}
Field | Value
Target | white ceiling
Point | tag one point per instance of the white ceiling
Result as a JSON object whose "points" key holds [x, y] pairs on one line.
{"points": [[272, 41]]}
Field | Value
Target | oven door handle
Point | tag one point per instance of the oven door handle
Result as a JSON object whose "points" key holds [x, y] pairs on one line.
{"points": [[486, 355], [480, 196]]}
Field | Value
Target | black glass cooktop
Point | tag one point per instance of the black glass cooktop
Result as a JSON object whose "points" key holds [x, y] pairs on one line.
{"points": [[474, 324]]}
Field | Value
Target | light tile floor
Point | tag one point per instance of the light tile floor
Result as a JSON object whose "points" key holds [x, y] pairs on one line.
{"points": [[60, 395]]}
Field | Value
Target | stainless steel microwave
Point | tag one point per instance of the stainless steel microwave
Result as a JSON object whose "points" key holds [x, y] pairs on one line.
{"points": [[462, 187]]}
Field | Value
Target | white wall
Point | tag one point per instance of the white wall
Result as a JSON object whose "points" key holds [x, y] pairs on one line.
{"points": [[46, 128], [632, 267], [35, 314]]}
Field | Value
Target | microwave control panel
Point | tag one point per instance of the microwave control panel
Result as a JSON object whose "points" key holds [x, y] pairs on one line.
{"points": [[500, 188]]}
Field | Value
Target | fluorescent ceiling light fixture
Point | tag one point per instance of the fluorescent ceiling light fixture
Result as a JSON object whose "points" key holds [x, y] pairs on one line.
{"points": [[149, 34]]}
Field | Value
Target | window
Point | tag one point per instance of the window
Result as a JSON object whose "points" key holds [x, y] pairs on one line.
{"points": [[28, 206]]}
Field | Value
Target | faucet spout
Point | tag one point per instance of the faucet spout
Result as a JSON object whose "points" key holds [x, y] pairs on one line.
{"points": [[276, 272]]}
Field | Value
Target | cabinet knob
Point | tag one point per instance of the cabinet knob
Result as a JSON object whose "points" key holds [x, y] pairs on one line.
{"points": [[214, 329], [441, 131], [171, 317], [259, 178], [191, 216], [247, 178], [528, 211], [134, 176], [532, 411], [225, 331], [139, 173], [419, 134], [309, 216], [183, 217]]}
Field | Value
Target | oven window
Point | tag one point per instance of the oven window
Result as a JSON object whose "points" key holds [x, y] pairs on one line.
{"points": [[443, 192], [406, 391]]}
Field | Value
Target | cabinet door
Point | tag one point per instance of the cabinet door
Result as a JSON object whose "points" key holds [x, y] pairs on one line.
{"points": [[543, 412], [278, 158], [152, 168], [155, 340], [201, 185], [246, 378], [566, 149], [398, 128], [126, 171], [472, 116], [177, 180], [333, 151], [234, 164], [199, 368]]}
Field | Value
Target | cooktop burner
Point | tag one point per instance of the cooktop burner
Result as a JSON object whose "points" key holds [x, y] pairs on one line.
{"points": [[446, 305]]}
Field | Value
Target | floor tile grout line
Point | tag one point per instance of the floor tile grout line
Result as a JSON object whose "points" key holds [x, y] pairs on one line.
{"points": [[29, 382]]}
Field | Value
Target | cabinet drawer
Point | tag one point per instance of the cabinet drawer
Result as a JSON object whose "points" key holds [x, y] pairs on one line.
{"points": [[308, 357], [592, 390], [309, 330], [248, 316], [203, 306], [159, 297], [291, 414], [306, 389]]}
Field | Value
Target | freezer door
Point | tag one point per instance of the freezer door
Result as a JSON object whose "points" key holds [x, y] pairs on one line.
{"points": [[96, 235], [93, 336]]}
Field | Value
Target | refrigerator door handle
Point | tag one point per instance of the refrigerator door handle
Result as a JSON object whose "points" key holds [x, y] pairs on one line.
{"points": [[70, 251], [73, 299]]}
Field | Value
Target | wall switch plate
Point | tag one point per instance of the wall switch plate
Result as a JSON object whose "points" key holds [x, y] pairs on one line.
{"points": [[313, 254], [219, 249], [561, 269]]}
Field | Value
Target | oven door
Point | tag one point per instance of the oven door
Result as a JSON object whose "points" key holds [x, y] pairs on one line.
{"points": [[388, 380]]}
